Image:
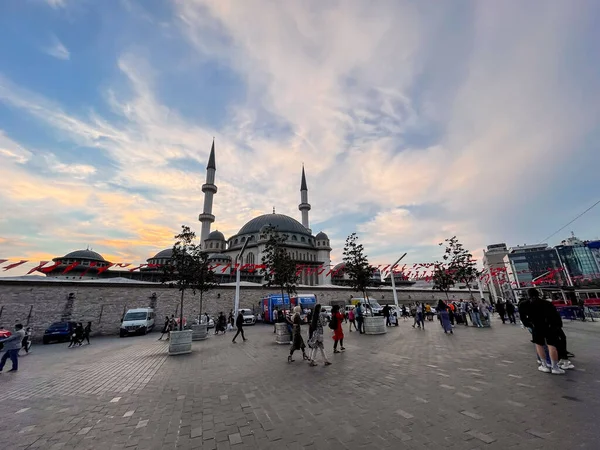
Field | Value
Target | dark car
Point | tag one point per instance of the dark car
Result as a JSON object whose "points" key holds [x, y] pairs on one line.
{"points": [[59, 332]]}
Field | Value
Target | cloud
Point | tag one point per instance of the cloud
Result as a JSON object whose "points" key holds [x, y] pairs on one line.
{"points": [[57, 3], [414, 124], [57, 49]]}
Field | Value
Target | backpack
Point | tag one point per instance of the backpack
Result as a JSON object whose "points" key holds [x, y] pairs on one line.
{"points": [[333, 323]]}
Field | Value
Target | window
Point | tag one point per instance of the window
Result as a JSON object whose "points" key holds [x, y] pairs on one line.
{"points": [[318, 244], [302, 239], [250, 258], [211, 245], [236, 241], [294, 238], [243, 239]]}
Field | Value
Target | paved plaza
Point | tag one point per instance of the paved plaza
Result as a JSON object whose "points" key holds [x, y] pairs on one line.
{"points": [[478, 388]]}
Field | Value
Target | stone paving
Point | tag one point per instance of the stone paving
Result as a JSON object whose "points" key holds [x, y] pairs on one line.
{"points": [[413, 389]]}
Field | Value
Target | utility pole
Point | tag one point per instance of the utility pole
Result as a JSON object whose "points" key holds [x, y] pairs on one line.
{"points": [[239, 259]]}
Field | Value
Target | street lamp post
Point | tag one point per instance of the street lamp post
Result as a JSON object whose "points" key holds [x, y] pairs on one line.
{"points": [[236, 304], [394, 282]]}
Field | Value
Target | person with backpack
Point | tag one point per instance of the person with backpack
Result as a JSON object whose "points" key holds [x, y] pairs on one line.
{"points": [[336, 325]]}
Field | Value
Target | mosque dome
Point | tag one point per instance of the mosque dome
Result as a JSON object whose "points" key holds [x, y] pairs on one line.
{"points": [[84, 254], [215, 236], [322, 236], [166, 253], [281, 222]]}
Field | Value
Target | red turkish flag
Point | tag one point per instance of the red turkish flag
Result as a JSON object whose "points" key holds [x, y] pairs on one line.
{"points": [[70, 267], [51, 268], [138, 267], [105, 268], [122, 264], [92, 264], [12, 266], [2, 261], [38, 267], [225, 268]]}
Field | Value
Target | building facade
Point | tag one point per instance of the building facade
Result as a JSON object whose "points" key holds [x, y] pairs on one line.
{"points": [[578, 261], [538, 265], [493, 263]]}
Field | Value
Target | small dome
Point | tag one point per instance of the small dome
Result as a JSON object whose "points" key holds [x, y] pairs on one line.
{"points": [[219, 256], [215, 236], [84, 254], [321, 237], [166, 253]]}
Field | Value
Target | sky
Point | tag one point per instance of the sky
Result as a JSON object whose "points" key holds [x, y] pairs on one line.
{"points": [[415, 122]]}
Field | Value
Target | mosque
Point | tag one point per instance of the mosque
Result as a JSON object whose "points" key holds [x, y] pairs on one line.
{"points": [[308, 250]]}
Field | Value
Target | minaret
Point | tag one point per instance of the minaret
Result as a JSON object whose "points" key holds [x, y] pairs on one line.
{"points": [[304, 206], [209, 190]]}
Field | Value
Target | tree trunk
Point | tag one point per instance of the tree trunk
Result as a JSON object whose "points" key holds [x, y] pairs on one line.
{"points": [[469, 288], [200, 315], [181, 312]]}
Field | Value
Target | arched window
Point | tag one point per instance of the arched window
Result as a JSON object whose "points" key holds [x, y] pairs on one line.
{"points": [[243, 239], [302, 239], [250, 258], [318, 244], [211, 245], [236, 241], [294, 238]]}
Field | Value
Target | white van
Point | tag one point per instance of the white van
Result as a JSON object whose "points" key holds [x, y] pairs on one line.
{"points": [[137, 321]]}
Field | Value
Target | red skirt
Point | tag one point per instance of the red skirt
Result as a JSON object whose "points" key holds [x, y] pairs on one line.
{"points": [[338, 334]]}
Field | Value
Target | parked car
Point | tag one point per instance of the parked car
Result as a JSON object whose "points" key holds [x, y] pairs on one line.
{"points": [[137, 321], [59, 332], [4, 333], [249, 317]]}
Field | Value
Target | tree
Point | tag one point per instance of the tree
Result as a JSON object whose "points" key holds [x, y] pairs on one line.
{"points": [[188, 267], [280, 268], [460, 263], [442, 279], [356, 265]]}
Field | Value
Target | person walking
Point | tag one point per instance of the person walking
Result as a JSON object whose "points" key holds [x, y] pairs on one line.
{"points": [[166, 327], [297, 341], [315, 332], [26, 342], [386, 314], [545, 322], [12, 345], [239, 323], [404, 313], [360, 317], [501, 311], [475, 314], [510, 312], [442, 310], [352, 319], [86, 332], [420, 318], [336, 325]]}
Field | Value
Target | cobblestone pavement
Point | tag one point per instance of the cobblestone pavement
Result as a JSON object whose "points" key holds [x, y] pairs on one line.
{"points": [[478, 388]]}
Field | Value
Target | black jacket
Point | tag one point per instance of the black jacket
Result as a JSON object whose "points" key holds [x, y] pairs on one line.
{"points": [[239, 321]]}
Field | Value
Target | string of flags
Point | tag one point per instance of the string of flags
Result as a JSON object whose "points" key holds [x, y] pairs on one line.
{"points": [[417, 271]]}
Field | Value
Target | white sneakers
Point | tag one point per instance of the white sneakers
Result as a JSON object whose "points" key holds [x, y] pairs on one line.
{"points": [[544, 369], [557, 371], [565, 364]]}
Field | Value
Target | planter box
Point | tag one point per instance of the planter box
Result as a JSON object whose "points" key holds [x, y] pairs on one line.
{"points": [[375, 325], [282, 335], [180, 342], [199, 332]]}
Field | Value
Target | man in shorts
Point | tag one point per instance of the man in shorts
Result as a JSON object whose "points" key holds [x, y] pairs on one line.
{"points": [[546, 324]]}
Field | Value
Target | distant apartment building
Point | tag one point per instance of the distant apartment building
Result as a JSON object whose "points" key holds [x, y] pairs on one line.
{"points": [[493, 261], [538, 263], [578, 260], [594, 247]]}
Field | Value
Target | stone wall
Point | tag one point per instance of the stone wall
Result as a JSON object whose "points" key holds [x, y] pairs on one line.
{"points": [[39, 303]]}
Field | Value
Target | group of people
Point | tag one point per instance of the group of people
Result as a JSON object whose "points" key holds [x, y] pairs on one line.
{"points": [[80, 334], [316, 332], [544, 323]]}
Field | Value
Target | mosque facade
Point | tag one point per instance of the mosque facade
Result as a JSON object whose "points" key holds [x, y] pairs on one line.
{"points": [[311, 252]]}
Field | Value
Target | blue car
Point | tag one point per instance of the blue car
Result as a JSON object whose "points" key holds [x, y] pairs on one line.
{"points": [[59, 332]]}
